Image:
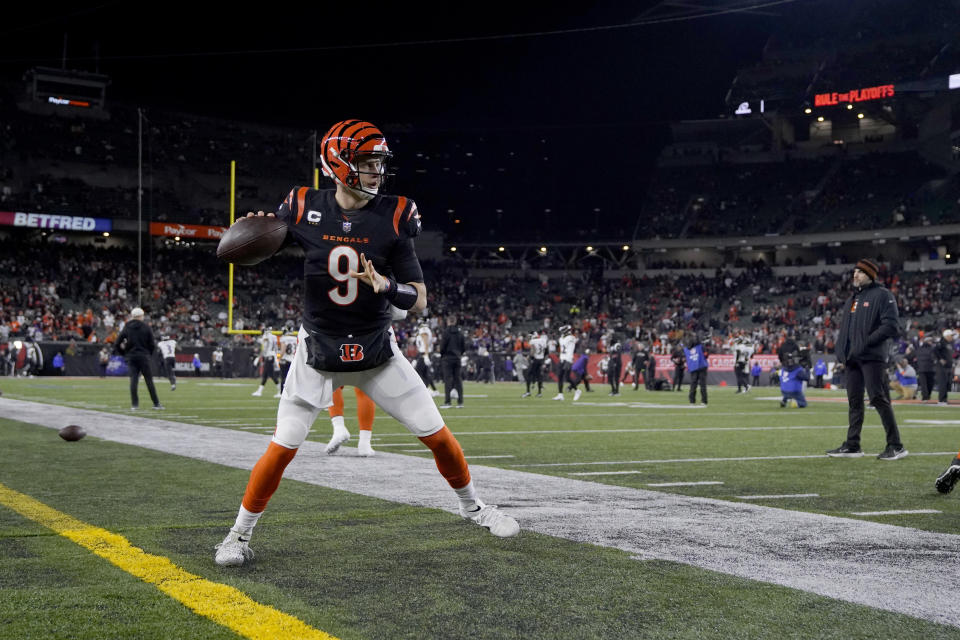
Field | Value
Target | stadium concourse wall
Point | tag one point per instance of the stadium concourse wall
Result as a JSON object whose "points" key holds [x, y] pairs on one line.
{"points": [[83, 359]]}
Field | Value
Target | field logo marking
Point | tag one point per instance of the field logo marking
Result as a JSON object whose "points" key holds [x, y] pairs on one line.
{"points": [[221, 603]]}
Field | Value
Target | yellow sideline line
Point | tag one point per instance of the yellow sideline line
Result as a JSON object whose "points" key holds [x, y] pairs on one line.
{"points": [[221, 603]]}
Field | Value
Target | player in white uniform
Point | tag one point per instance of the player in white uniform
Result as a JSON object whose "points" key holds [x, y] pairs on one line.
{"points": [[538, 351], [424, 348], [568, 344], [288, 347], [743, 352], [168, 351], [268, 361]]}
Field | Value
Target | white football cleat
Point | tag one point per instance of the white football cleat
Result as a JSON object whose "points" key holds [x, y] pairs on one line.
{"points": [[340, 435], [257, 393], [559, 396], [489, 516], [234, 551], [365, 451], [276, 395], [576, 395], [434, 393]]}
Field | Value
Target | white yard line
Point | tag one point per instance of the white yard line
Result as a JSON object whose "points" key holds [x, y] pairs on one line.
{"points": [[742, 459], [607, 473], [683, 484], [896, 512], [783, 495], [899, 569], [526, 432]]}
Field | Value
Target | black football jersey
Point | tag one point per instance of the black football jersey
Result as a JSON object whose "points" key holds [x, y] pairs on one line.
{"points": [[333, 239]]}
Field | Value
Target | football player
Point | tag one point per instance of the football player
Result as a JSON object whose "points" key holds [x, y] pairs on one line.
{"points": [[168, 351], [268, 359], [538, 351], [424, 349], [568, 344], [744, 351], [365, 413], [288, 347], [359, 260]]}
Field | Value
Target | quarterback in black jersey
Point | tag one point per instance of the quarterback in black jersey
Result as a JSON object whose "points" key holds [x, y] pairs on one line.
{"points": [[360, 260]]}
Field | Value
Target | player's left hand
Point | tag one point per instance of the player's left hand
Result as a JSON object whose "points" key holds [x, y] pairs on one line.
{"points": [[369, 275]]}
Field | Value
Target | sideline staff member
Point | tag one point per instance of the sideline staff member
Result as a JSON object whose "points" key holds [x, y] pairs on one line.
{"points": [[870, 320], [452, 347], [136, 344]]}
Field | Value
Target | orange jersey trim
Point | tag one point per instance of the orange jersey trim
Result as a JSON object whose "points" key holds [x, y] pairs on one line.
{"points": [[301, 196], [401, 205]]}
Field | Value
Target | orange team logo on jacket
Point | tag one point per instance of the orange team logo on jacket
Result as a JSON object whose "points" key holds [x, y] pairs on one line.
{"points": [[351, 352]]}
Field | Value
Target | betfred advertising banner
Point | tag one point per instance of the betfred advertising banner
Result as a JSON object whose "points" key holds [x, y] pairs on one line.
{"points": [[191, 231], [54, 221]]}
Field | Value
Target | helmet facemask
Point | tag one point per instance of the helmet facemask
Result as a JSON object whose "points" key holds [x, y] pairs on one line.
{"points": [[359, 165]]}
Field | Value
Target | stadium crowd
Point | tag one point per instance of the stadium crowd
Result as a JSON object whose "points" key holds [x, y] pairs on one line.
{"points": [[85, 294]]}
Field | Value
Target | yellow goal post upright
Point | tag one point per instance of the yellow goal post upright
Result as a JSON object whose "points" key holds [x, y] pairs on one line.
{"points": [[233, 212]]}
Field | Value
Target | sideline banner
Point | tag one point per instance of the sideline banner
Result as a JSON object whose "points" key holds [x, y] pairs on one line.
{"points": [[54, 221], [722, 362], [194, 231]]}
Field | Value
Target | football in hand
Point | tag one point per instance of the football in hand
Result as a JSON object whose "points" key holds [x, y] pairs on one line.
{"points": [[72, 432], [252, 240]]}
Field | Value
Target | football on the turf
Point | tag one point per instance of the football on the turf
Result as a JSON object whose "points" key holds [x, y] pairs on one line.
{"points": [[72, 432], [252, 240]]}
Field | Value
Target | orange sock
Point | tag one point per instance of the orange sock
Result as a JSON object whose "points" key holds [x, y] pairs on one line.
{"points": [[265, 477], [337, 408], [449, 457], [365, 410]]}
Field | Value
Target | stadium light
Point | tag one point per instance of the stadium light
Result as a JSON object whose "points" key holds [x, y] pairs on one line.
{"points": [[626, 247], [819, 118], [501, 249], [860, 116], [543, 249], [849, 106], [453, 249], [176, 238], [589, 248], [106, 234], [808, 110]]}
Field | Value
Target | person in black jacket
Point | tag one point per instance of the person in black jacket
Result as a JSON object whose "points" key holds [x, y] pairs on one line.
{"points": [[614, 366], [136, 344], [943, 355], [679, 365], [926, 367], [869, 321], [452, 346]]}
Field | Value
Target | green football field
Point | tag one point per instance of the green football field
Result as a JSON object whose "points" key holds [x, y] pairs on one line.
{"points": [[354, 566]]}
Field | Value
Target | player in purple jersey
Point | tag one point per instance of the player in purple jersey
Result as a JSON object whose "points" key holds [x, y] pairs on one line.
{"points": [[360, 259]]}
